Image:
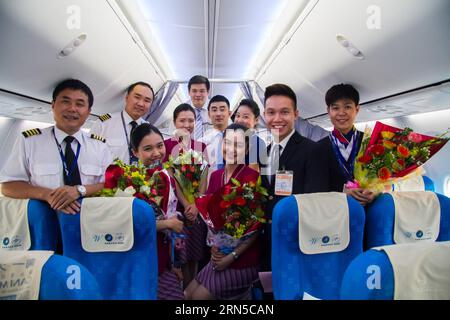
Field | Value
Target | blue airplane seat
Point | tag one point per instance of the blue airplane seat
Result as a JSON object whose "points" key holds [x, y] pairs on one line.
{"points": [[43, 223], [370, 276], [429, 184], [318, 275], [63, 278], [130, 275], [380, 221]]}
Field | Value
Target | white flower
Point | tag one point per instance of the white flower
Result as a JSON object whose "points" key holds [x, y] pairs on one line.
{"points": [[130, 190], [145, 190]]}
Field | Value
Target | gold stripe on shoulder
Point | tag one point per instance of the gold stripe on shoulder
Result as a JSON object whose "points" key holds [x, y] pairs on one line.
{"points": [[31, 132], [97, 137], [105, 117]]}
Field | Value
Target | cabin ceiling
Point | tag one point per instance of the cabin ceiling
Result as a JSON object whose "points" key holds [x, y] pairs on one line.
{"points": [[285, 41]]}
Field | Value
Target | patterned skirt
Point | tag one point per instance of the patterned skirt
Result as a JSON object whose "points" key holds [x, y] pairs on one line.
{"points": [[195, 245], [228, 283], [169, 286]]}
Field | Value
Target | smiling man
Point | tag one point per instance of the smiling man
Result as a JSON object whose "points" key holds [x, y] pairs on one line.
{"points": [[293, 164], [342, 145], [116, 127], [219, 113], [198, 87], [61, 163]]}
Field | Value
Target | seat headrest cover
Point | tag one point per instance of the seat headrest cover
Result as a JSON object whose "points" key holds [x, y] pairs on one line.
{"points": [[421, 270], [20, 274], [417, 216], [414, 183], [323, 222], [107, 224], [14, 228]]}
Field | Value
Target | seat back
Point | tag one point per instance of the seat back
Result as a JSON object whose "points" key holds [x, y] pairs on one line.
{"points": [[413, 184], [121, 275], [370, 276], [294, 273], [65, 279], [408, 271], [42, 223], [380, 220]]}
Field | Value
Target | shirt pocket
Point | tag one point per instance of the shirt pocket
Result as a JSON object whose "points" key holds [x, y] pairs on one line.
{"points": [[46, 175], [91, 173], [116, 142]]}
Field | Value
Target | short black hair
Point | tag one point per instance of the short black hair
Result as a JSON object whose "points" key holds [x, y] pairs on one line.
{"points": [[238, 126], [280, 89], [198, 79], [180, 108], [341, 91], [142, 130], [140, 83], [219, 98], [252, 105], [73, 84]]}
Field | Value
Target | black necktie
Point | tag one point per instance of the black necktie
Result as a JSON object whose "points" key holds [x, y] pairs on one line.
{"points": [[132, 157], [73, 178]]}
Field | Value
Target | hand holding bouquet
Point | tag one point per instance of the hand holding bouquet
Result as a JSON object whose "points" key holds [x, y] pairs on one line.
{"points": [[233, 213]]}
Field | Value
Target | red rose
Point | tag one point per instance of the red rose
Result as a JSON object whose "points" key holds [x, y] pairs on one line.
{"points": [[239, 201], [112, 175], [192, 169], [189, 176], [365, 159], [384, 173], [401, 162], [403, 151], [227, 189], [225, 204], [377, 150]]}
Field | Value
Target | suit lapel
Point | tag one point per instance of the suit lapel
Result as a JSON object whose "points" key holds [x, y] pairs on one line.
{"points": [[291, 147]]}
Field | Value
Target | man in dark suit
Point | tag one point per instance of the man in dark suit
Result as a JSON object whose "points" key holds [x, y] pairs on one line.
{"points": [[290, 154]]}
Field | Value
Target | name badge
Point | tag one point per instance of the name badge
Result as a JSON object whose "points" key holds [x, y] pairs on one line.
{"points": [[283, 183]]}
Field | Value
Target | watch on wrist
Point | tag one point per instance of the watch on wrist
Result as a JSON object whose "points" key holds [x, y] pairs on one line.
{"points": [[235, 255], [81, 190]]}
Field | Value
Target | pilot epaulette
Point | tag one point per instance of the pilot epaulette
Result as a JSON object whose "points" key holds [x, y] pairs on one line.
{"points": [[31, 132], [97, 137], [105, 117]]}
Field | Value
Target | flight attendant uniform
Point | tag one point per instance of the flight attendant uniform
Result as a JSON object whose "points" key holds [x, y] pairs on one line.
{"points": [[116, 129]]}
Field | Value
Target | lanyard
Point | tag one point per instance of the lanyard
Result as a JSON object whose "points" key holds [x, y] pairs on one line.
{"points": [[132, 157], [345, 165], [63, 158]]}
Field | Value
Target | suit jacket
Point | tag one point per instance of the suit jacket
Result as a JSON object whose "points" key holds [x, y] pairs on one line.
{"points": [[337, 178], [300, 156]]}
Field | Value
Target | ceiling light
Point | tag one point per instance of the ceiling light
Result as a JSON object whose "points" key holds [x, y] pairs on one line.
{"points": [[72, 45], [349, 46]]}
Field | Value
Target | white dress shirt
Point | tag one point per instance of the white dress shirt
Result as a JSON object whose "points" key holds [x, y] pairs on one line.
{"points": [[37, 160], [113, 131]]}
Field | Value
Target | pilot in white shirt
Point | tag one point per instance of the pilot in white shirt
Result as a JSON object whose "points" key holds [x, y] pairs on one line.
{"points": [[35, 158], [41, 167], [116, 127]]}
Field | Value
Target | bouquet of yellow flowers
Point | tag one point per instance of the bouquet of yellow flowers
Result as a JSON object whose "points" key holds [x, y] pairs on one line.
{"points": [[189, 169], [390, 153]]}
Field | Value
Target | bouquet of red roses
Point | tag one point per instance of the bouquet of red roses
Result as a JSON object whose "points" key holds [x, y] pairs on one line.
{"points": [[122, 180], [188, 170], [390, 153], [233, 213]]}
